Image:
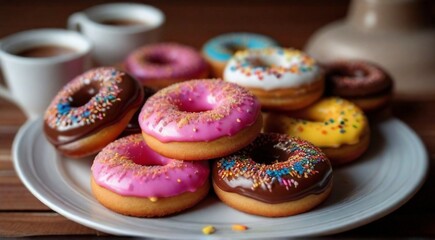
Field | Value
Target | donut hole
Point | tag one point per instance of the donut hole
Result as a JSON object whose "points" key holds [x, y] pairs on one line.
{"points": [[264, 62], [259, 63], [147, 157], [195, 106], [158, 59], [234, 47], [269, 154], [148, 161], [203, 104], [84, 95]]}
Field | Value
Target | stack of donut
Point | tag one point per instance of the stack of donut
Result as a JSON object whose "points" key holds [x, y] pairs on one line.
{"points": [[166, 169], [161, 129], [290, 85], [212, 119]]}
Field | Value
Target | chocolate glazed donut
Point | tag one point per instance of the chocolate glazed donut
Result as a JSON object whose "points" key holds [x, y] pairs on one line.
{"points": [[275, 171], [97, 99], [364, 83]]}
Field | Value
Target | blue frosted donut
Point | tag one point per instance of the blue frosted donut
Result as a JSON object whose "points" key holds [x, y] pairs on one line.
{"points": [[220, 49]]}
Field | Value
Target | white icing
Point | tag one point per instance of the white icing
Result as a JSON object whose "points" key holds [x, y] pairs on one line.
{"points": [[280, 71]]}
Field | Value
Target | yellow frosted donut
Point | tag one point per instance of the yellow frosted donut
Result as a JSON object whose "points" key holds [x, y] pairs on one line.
{"points": [[335, 125]]}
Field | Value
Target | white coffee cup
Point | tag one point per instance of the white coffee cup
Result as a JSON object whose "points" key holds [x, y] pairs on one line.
{"points": [[116, 29], [36, 64]]}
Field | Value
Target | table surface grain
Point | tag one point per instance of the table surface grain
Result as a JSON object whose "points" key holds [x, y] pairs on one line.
{"points": [[193, 22]]}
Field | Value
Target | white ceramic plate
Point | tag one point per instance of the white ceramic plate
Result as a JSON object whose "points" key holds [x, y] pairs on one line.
{"points": [[387, 176]]}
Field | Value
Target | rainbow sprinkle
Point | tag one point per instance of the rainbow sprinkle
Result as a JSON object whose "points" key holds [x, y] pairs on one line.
{"points": [[252, 62], [239, 227], [209, 229], [165, 103], [123, 153], [63, 114], [330, 122], [302, 159]]}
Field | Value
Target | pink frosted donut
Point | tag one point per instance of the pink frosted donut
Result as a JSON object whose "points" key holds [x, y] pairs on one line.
{"points": [[130, 178], [200, 119], [162, 64]]}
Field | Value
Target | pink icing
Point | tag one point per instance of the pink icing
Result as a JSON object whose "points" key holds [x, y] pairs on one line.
{"points": [[165, 61], [129, 167], [198, 110]]}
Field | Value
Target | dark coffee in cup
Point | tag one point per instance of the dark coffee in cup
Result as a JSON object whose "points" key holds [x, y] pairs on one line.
{"points": [[44, 51], [122, 22], [116, 29]]}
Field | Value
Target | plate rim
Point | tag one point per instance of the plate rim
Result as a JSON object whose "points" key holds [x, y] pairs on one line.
{"points": [[424, 167]]}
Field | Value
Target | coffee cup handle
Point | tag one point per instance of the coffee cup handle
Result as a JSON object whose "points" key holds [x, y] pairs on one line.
{"points": [[75, 21], [4, 91], [6, 94]]}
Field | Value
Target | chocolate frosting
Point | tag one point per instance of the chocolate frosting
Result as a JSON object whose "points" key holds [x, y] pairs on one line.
{"points": [[89, 103], [356, 78], [274, 169]]}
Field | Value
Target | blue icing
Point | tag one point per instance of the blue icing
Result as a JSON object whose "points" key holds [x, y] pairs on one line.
{"points": [[216, 50]]}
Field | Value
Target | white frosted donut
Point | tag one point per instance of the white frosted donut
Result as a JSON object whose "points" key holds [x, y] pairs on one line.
{"points": [[283, 79], [272, 68]]}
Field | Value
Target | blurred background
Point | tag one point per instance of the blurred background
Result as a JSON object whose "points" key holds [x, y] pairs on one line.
{"points": [[291, 22]]}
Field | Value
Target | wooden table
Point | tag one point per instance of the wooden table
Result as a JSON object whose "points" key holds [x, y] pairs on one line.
{"points": [[193, 22]]}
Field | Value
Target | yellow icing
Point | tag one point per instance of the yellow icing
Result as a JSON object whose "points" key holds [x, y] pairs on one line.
{"points": [[330, 122]]}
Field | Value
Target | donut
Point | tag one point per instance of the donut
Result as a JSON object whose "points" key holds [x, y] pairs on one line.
{"points": [[218, 50], [200, 119], [363, 83], [275, 176], [162, 64], [282, 78], [91, 111], [130, 178], [336, 125]]}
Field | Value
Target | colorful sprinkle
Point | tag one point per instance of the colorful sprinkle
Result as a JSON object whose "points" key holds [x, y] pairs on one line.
{"points": [[301, 162], [257, 62], [209, 229], [341, 120], [199, 110], [128, 166], [61, 113], [239, 227]]}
